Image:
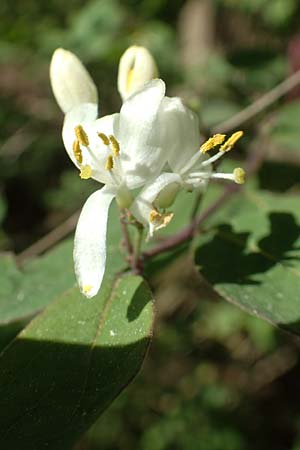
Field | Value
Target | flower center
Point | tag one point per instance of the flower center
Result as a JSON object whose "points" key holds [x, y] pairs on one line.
{"points": [[112, 144]]}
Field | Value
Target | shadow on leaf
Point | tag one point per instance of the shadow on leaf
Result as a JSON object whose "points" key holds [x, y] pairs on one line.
{"points": [[137, 304], [51, 392], [279, 177], [227, 258]]}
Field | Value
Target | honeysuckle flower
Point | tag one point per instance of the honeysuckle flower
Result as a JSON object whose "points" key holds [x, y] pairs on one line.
{"points": [[71, 83], [136, 68], [191, 168], [123, 151]]}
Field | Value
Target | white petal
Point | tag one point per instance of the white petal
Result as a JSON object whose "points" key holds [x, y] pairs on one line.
{"points": [[139, 134], [81, 114], [180, 130], [70, 81], [90, 242], [143, 204]]}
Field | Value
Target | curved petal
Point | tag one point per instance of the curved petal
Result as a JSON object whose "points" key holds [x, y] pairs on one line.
{"points": [[95, 155], [137, 131], [90, 242], [81, 114], [145, 201], [180, 132]]}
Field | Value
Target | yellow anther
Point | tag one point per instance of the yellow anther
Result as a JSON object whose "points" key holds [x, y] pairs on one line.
{"points": [[115, 145], [227, 146], [212, 142], [87, 288], [81, 135], [154, 216], [85, 172], [239, 175], [109, 165], [159, 220], [104, 138], [77, 151]]}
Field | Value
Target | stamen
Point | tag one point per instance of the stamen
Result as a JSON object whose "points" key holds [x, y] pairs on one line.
{"points": [[228, 145], [158, 220], [104, 138], [81, 135], [85, 172], [239, 175], [115, 145], [154, 216], [212, 142], [77, 151], [109, 165]]}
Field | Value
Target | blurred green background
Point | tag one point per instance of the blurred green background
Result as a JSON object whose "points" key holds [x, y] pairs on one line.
{"points": [[215, 378]]}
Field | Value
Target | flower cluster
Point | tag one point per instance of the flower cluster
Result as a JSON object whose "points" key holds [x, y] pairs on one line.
{"points": [[143, 155]]}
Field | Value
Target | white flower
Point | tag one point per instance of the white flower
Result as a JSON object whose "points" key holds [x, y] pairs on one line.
{"points": [[137, 66], [191, 168], [122, 151]]}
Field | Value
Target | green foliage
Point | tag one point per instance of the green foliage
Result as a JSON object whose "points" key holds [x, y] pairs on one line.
{"points": [[68, 365], [256, 266], [215, 372], [25, 292]]}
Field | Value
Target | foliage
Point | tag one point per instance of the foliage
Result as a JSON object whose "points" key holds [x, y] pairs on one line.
{"points": [[216, 377]]}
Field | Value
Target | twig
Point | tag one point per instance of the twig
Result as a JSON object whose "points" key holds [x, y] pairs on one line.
{"points": [[49, 240], [196, 205], [259, 105], [137, 263], [126, 238]]}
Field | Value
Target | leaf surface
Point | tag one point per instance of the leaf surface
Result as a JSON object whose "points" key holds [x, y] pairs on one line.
{"points": [[72, 360], [251, 255], [25, 292]]}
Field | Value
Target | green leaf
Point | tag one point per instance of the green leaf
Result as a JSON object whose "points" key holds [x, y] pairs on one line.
{"points": [[69, 364], [26, 292], [251, 256]]}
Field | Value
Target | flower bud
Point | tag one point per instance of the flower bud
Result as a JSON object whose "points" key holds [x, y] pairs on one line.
{"points": [[137, 66], [167, 196], [71, 83]]}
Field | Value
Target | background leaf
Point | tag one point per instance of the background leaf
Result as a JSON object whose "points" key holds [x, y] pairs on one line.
{"points": [[25, 292], [251, 256], [68, 365]]}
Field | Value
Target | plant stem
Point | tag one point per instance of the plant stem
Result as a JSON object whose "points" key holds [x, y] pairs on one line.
{"points": [[136, 263], [125, 234], [259, 105], [196, 205]]}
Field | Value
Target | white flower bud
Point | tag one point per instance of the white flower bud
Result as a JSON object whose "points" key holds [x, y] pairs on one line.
{"points": [[137, 66], [71, 83]]}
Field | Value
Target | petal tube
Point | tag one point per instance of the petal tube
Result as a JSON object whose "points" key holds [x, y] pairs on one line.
{"points": [[145, 201], [90, 242], [138, 132], [71, 83], [180, 132]]}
